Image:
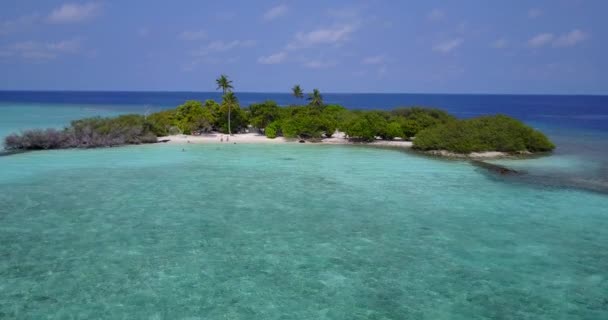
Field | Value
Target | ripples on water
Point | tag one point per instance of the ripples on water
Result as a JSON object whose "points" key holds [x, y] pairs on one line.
{"points": [[336, 232], [304, 232]]}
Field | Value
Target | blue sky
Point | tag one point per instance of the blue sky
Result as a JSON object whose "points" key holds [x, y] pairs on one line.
{"points": [[553, 46]]}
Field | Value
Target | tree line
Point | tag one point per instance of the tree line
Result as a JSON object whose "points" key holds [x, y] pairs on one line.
{"points": [[429, 128]]}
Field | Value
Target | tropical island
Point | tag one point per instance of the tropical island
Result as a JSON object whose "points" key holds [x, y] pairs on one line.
{"points": [[426, 129]]}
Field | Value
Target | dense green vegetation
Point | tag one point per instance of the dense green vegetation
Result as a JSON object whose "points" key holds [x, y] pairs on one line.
{"points": [[490, 133], [432, 129]]}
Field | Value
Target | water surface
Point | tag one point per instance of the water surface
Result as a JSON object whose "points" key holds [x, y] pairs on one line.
{"points": [[302, 231]]}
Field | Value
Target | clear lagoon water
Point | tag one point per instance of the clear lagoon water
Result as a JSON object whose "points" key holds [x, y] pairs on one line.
{"points": [[302, 231]]}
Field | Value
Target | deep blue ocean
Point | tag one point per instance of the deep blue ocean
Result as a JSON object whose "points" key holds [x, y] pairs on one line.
{"points": [[585, 112], [303, 231]]}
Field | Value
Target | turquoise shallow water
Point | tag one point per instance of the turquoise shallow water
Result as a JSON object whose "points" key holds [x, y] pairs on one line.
{"points": [[291, 232]]}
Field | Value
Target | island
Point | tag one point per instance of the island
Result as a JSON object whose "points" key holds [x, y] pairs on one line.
{"points": [[428, 130]]}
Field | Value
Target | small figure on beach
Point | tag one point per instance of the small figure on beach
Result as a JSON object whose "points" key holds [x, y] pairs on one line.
{"points": [[222, 138], [227, 138]]}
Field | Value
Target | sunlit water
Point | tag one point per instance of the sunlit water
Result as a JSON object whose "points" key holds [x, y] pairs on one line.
{"points": [[291, 231], [296, 231]]}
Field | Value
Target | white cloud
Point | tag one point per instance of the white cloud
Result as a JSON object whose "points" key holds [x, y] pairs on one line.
{"points": [[222, 46], [318, 64], [192, 35], [65, 46], [500, 43], [534, 13], [332, 35], [380, 59], [435, 15], [18, 24], [73, 12], [273, 58], [541, 40], [567, 39], [448, 46], [43, 51], [276, 12], [225, 46], [570, 39]]}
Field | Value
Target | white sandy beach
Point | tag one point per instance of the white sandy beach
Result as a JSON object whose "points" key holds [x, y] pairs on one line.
{"points": [[253, 138], [336, 139]]}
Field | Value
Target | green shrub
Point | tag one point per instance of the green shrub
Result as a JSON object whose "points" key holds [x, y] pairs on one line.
{"points": [[262, 114], [272, 129], [393, 130], [360, 128], [415, 119], [192, 116], [162, 122], [490, 133]]}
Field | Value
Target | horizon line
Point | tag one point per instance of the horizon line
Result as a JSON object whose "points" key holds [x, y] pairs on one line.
{"points": [[287, 92]]}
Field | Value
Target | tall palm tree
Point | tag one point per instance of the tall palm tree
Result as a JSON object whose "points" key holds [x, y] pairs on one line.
{"points": [[229, 99], [315, 98], [297, 91], [226, 86]]}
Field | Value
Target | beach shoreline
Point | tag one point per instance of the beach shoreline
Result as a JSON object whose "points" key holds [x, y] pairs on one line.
{"points": [[337, 139], [256, 138]]}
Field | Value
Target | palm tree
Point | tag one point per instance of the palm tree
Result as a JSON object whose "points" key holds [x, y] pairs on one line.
{"points": [[226, 86], [297, 91], [229, 99], [315, 98]]}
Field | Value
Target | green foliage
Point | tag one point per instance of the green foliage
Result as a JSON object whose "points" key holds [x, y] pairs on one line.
{"points": [[192, 116], [272, 130], [297, 91], [238, 118], [393, 130], [491, 133], [161, 123], [309, 122], [262, 114], [230, 116], [367, 125], [415, 119], [402, 122], [336, 113], [360, 128], [224, 84], [303, 125], [432, 128], [315, 99]]}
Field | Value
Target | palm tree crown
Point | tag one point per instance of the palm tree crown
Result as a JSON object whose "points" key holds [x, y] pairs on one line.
{"points": [[223, 83], [230, 98], [315, 98], [297, 91]]}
